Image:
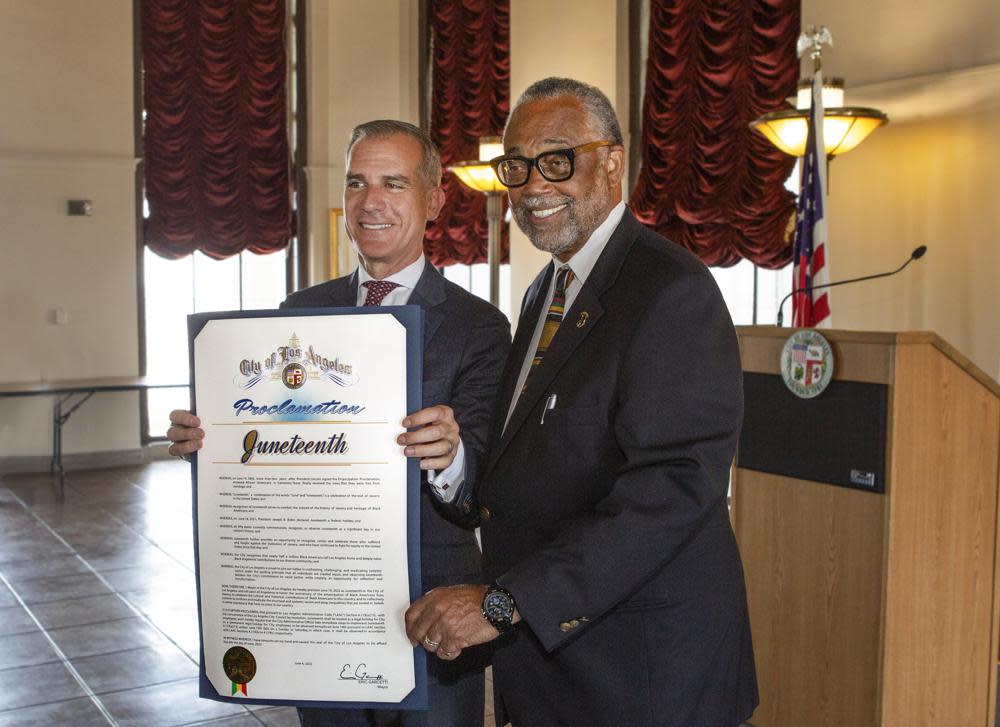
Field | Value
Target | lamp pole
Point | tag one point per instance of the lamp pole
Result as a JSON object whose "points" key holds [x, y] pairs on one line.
{"points": [[494, 216], [479, 175]]}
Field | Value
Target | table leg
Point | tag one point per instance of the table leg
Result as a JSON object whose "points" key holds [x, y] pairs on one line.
{"points": [[59, 418]]}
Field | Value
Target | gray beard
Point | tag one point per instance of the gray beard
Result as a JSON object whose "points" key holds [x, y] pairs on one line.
{"points": [[556, 240]]}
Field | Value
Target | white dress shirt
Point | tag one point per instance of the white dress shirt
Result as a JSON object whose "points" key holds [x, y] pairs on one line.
{"points": [[582, 263], [444, 483]]}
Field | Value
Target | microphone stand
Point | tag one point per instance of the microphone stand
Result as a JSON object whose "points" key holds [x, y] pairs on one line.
{"points": [[915, 255]]}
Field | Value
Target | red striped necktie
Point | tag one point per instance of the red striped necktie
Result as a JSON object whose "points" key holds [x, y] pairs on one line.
{"points": [[377, 290]]}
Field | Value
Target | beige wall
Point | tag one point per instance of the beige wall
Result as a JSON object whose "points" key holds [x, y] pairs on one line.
{"points": [[362, 65], [598, 54], [932, 183], [930, 177], [881, 40], [66, 81]]}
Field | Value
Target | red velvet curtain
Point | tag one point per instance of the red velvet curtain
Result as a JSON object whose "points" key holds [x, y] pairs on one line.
{"points": [[470, 97], [216, 148], [709, 182]]}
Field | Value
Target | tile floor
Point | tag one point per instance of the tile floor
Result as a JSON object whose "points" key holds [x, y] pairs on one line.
{"points": [[97, 604]]}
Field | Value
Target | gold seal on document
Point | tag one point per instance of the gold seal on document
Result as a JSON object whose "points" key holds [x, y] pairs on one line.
{"points": [[239, 665]]}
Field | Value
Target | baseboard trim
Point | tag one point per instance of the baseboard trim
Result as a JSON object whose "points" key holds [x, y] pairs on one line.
{"points": [[85, 460]]}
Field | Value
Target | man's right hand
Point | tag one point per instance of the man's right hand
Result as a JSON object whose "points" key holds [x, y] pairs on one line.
{"points": [[185, 432]]}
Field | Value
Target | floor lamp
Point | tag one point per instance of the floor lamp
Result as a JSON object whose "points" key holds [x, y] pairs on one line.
{"points": [[479, 175]]}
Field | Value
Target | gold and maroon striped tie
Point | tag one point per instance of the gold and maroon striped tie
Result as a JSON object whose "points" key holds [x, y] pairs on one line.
{"points": [[554, 316]]}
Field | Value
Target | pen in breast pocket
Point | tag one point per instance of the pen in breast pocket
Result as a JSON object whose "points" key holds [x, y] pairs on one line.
{"points": [[550, 404]]}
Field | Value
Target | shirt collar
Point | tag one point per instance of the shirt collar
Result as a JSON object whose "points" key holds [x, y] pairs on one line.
{"points": [[405, 278], [585, 258]]}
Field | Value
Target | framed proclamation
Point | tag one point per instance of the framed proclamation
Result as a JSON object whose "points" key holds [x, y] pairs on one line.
{"points": [[306, 510]]}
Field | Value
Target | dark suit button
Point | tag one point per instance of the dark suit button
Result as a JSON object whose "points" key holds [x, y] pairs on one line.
{"points": [[484, 513], [564, 627]]}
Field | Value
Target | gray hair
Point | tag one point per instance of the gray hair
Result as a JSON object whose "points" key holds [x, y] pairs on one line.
{"points": [[430, 161], [593, 99]]}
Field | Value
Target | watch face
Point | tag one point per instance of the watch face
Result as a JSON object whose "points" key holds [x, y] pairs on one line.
{"points": [[497, 606]]}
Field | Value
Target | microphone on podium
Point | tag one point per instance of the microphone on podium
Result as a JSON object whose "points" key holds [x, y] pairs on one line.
{"points": [[915, 255]]}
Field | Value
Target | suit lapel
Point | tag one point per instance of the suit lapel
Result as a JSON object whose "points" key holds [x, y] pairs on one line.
{"points": [[344, 291], [429, 293], [532, 309], [577, 324]]}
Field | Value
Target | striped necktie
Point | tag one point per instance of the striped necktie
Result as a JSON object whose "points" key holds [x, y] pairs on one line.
{"points": [[554, 316], [377, 290]]}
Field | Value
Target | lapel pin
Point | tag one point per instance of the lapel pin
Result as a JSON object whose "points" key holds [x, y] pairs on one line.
{"points": [[582, 320]]}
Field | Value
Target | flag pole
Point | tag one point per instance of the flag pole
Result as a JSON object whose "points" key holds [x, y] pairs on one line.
{"points": [[810, 249]]}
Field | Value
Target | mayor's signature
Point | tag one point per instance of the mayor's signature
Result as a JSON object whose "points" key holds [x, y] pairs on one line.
{"points": [[359, 673]]}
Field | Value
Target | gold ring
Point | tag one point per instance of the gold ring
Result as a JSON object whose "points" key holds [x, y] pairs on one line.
{"points": [[431, 644]]}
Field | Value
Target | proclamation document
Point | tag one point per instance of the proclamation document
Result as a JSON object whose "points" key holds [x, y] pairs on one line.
{"points": [[306, 510]]}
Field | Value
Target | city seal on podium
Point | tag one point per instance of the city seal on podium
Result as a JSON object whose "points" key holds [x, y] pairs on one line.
{"points": [[807, 363], [240, 666]]}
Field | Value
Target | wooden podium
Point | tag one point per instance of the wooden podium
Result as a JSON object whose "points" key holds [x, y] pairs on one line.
{"points": [[871, 608]]}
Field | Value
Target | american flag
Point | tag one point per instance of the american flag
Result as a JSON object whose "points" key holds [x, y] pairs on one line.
{"points": [[810, 268]]}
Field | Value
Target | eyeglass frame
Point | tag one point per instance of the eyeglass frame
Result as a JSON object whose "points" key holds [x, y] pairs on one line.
{"points": [[570, 153]]}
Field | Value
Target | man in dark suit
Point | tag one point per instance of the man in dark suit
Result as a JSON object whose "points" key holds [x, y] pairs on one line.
{"points": [[616, 581], [392, 189]]}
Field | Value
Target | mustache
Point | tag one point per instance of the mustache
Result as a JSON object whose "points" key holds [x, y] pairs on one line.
{"points": [[537, 203]]}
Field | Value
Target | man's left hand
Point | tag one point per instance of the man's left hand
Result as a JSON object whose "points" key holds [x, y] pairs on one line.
{"points": [[434, 437], [446, 620]]}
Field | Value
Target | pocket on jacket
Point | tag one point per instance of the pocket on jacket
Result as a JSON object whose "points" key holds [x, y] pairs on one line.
{"points": [[575, 416]]}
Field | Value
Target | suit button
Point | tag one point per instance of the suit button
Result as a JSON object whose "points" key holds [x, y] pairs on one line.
{"points": [[574, 623], [564, 626], [484, 513]]}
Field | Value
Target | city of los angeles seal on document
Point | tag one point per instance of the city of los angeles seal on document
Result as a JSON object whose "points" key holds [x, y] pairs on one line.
{"points": [[294, 365], [240, 666]]}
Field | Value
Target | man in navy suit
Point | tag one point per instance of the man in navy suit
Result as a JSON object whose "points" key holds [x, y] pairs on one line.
{"points": [[392, 188], [616, 591]]}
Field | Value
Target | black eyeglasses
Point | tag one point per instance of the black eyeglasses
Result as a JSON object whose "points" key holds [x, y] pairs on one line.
{"points": [[555, 165]]}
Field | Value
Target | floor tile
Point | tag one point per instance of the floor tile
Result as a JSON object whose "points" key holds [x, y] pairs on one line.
{"points": [[40, 684], [79, 611], [180, 625], [57, 515], [242, 720], [106, 637], [33, 550], [167, 575], [94, 544], [279, 717], [79, 531], [25, 650], [125, 670], [61, 588], [25, 527], [38, 491], [166, 705], [75, 712], [15, 620], [6, 597], [65, 565], [151, 599], [146, 555]]}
